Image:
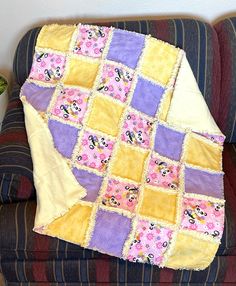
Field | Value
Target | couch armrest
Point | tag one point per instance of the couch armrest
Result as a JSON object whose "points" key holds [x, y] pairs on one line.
{"points": [[16, 177]]}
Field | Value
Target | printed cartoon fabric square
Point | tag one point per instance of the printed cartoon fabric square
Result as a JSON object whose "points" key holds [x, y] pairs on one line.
{"points": [[203, 154], [218, 139], [168, 142], [203, 216], [105, 115], [147, 96], [204, 182], [90, 181], [110, 225], [91, 40], [47, 67], [150, 243], [158, 60], [32, 91], [121, 195], [64, 225], [158, 204], [57, 37], [162, 173], [126, 48], [71, 104], [197, 255], [64, 137], [136, 130], [81, 72], [128, 163], [95, 151], [115, 81]]}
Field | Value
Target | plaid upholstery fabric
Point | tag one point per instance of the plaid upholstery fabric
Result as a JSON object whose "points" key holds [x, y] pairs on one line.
{"points": [[226, 31], [113, 271], [16, 179]]}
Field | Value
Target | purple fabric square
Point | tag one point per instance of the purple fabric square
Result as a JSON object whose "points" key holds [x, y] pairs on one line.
{"points": [[168, 142], [39, 97], [147, 96], [204, 183], [110, 232], [126, 47], [91, 182], [64, 137]]}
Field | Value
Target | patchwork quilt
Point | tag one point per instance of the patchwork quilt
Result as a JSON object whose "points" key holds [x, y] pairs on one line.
{"points": [[127, 157]]}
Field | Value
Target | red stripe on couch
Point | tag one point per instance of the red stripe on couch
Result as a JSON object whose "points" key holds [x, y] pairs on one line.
{"points": [[25, 184], [102, 269]]}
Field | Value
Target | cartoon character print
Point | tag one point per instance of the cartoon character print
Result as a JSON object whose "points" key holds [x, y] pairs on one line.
{"points": [[203, 216], [95, 151], [150, 243], [71, 104], [115, 81], [47, 67], [136, 130], [219, 139], [163, 174], [91, 40], [121, 195]]}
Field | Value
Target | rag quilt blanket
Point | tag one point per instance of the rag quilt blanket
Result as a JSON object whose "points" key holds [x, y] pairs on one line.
{"points": [[127, 157]]}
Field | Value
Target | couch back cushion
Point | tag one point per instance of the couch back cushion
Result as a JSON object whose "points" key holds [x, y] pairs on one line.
{"points": [[226, 31], [197, 38]]}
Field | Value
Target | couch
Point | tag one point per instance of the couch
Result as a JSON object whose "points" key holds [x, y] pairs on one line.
{"points": [[27, 257]]}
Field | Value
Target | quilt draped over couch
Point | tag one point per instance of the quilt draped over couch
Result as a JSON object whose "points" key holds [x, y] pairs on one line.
{"points": [[127, 157]]}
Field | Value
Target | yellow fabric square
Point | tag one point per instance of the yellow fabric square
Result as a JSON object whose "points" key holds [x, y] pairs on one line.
{"points": [[56, 37], [81, 72], [200, 153], [159, 205], [105, 115], [73, 225], [190, 252], [129, 163], [158, 60], [166, 105]]}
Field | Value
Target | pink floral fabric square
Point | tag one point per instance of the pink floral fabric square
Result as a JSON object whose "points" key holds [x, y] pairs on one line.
{"points": [[203, 216], [47, 67], [136, 130], [115, 82], [95, 151], [91, 40], [162, 174], [121, 195], [150, 243], [71, 104]]}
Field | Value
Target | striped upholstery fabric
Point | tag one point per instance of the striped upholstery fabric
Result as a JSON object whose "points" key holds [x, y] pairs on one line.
{"points": [[226, 31], [16, 179], [41, 260], [114, 271]]}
